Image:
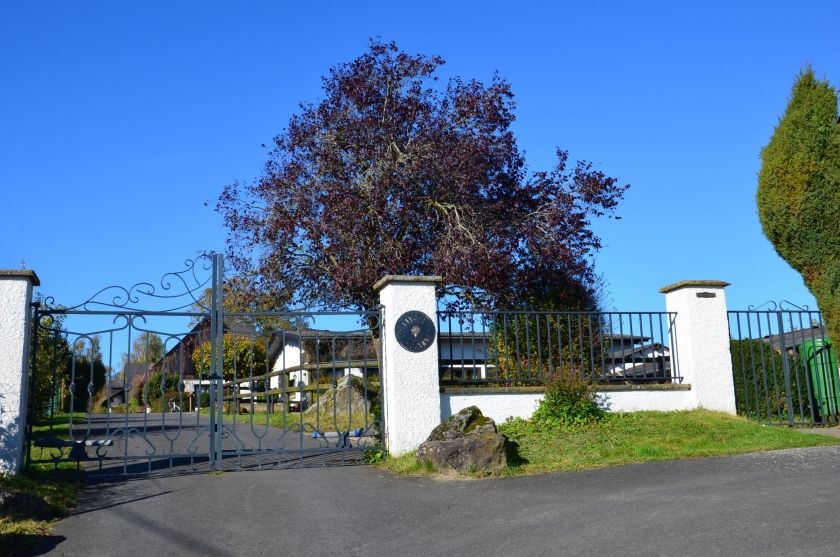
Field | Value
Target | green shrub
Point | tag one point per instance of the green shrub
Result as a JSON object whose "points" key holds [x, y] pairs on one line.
{"points": [[758, 374], [798, 193], [204, 399], [162, 384], [569, 400], [161, 404]]}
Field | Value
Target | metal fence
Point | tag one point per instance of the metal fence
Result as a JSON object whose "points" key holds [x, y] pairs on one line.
{"points": [[784, 367], [510, 348]]}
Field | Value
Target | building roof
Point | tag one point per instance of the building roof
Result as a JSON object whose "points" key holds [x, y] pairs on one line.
{"points": [[637, 352], [132, 370], [796, 337]]}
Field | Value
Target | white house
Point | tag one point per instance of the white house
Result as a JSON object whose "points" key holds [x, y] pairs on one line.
{"points": [[306, 356]]}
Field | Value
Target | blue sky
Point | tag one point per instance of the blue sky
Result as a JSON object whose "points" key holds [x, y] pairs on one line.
{"points": [[121, 120]]}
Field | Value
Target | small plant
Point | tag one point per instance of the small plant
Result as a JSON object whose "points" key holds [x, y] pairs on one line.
{"points": [[375, 455], [569, 400]]}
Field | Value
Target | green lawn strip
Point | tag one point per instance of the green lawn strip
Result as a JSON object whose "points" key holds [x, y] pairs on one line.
{"points": [[58, 486], [628, 438], [309, 422]]}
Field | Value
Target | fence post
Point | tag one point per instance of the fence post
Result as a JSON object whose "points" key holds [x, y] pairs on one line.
{"points": [[15, 326], [410, 386], [699, 338]]}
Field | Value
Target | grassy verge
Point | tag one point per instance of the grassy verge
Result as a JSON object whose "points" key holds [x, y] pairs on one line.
{"points": [[628, 438], [19, 534], [310, 422]]}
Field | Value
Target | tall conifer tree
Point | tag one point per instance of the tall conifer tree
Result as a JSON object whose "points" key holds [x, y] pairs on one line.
{"points": [[799, 191]]}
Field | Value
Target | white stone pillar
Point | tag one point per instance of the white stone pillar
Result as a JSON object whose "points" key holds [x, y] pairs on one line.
{"points": [[15, 325], [699, 339], [410, 387]]}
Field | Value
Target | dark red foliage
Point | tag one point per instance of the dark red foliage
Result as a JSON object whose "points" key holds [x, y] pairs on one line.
{"points": [[393, 174]]}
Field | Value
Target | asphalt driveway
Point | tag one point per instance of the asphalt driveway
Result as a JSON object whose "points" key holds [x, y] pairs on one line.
{"points": [[782, 502]]}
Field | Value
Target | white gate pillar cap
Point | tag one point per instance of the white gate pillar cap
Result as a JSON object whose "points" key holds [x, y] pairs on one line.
{"points": [[20, 273], [693, 283], [403, 279]]}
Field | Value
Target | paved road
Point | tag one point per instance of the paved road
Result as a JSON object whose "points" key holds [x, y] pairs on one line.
{"points": [[783, 502]]}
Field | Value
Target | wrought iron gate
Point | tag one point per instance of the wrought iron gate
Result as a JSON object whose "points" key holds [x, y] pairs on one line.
{"points": [[202, 388], [784, 366]]}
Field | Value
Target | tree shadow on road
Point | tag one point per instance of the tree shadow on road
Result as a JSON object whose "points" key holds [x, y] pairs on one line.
{"points": [[24, 545]]}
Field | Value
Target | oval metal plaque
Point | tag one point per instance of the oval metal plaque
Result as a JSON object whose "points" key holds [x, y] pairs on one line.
{"points": [[415, 331]]}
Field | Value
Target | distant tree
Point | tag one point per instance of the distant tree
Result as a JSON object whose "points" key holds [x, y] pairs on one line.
{"points": [[89, 347], [239, 304], [147, 348], [393, 174], [799, 191], [85, 378], [65, 372], [50, 365], [243, 355]]}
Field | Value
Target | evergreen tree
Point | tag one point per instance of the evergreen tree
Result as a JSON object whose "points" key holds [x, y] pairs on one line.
{"points": [[799, 191]]}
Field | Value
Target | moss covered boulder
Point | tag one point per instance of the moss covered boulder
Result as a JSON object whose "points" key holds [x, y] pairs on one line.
{"points": [[465, 443], [344, 406]]}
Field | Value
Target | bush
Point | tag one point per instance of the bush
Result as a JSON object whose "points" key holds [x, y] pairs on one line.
{"points": [[758, 375], [204, 399], [569, 400], [160, 382], [161, 404]]}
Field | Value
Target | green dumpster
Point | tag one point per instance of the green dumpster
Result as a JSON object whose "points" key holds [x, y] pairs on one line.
{"points": [[820, 363]]}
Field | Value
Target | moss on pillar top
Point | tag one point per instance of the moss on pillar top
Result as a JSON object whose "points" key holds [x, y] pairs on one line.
{"points": [[695, 283], [21, 273]]}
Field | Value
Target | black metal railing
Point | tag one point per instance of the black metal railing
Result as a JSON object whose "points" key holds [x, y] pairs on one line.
{"points": [[510, 348], [784, 367]]}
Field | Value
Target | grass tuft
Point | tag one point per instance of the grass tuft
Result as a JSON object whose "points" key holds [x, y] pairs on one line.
{"points": [[407, 464]]}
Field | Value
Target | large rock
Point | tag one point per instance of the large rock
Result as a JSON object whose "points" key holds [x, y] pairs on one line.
{"points": [[348, 402], [465, 443]]}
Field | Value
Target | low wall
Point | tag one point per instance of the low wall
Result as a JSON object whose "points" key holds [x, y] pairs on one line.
{"points": [[520, 402]]}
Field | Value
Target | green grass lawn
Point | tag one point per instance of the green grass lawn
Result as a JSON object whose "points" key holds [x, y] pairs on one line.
{"points": [[19, 535], [627, 438], [310, 422]]}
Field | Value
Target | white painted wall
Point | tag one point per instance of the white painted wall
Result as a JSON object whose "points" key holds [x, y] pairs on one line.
{"points": [[498, 406], [699, 340], [659, 400], [15, 315], [410, 391], [501, 406]]}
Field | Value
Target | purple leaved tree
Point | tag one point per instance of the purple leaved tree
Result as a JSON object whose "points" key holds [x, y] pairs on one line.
{"points": [[395, 173]]}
